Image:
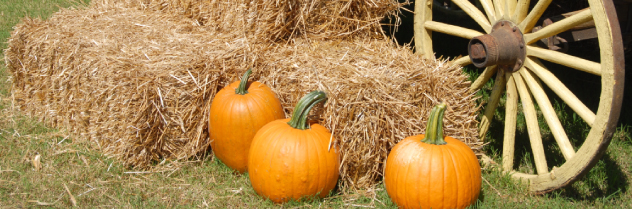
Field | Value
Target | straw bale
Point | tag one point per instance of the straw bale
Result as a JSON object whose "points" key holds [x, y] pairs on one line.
{"points": [[379, 94], [139, 84], [136, 83], [279, 19]]}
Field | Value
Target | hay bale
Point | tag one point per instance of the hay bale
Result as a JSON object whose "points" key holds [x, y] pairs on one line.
{"points": [[278, 20], [139, 84], [379, 93], [136, 83]]}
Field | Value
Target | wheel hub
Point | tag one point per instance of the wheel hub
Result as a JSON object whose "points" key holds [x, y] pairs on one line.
{"points": [[504, 47]]}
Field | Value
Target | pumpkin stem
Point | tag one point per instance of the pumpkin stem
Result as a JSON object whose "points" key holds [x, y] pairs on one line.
{"points": [[241, 89], [434, 128], [299, 117]]}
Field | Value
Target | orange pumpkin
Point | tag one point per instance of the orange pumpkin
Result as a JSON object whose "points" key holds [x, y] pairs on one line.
{"points": [[289, 159], [237, 113], [430, 171]]}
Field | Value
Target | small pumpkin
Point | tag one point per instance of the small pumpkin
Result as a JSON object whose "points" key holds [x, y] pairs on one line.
{"points": [[430, 171], [237, 112], [290, 159]]}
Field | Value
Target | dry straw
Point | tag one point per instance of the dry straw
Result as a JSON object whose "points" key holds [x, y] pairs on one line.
{"points": [[278, 19], [138, 83]]}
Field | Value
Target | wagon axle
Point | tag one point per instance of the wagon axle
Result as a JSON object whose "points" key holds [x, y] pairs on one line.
{"points": [[504, 47]]}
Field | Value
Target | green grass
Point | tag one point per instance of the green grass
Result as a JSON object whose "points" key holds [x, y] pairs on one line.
{"points": [[12, 11], [95, 180]]}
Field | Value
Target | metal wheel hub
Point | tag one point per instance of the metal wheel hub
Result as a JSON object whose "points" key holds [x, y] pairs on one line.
{"points": [[504, 47]]}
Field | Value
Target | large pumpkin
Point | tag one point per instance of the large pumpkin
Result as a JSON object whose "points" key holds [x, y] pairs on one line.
{"points": [[430, 171], [291, 159], [238, 111]]}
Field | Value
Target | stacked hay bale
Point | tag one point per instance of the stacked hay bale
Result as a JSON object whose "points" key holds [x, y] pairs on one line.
{"points": [[138, 82], [276, 20]]}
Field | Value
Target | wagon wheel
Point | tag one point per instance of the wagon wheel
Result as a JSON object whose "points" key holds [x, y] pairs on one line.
{"points": [[508, 49]]}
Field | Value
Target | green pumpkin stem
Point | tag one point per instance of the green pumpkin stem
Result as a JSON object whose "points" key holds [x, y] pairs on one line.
{"points": [[301, 111], [241, 89], [434, 128]]}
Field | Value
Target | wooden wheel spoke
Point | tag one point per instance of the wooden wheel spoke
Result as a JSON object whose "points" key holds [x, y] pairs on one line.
{"points": [[482, 78], [501, 7], [423, 37], [463, 61], [511, 8], [600, 15], [524, 176], [560, 89], [563, 25], [522, 8], [532, 18], [565, 59], [532, 125], [454, 30], [489, 10], [494, 98], [549, 115], [511, 113], [474, 13]]}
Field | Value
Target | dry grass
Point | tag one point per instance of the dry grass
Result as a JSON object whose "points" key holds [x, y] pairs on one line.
{"points": [[138, 84]]}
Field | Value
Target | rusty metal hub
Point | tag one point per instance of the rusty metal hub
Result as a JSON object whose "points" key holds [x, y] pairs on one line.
{"points": [[504, 47]]}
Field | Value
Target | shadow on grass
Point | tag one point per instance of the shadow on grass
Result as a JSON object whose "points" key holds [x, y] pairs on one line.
{"points": [[604, 182]]}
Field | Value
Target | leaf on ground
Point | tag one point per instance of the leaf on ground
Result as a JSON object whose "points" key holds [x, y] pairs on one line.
{"points": [[41, 203], [37, 162]]}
